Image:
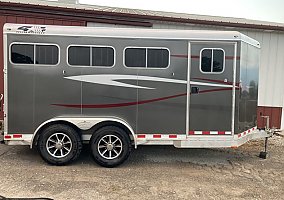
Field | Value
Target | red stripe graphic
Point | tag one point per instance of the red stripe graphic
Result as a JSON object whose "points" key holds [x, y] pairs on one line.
{"points": [[216, 81], [134, 102], [232, 57], [214, 90], [118, 104], [179, 56]]}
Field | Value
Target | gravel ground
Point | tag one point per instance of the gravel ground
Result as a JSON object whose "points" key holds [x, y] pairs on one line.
{"points": [[151, 172]]}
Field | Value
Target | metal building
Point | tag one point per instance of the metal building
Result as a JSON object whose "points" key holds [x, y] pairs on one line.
{"points": [[71, 13]]}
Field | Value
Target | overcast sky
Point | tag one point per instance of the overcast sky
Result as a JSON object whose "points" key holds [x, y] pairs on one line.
{"points": [[265, 10]]}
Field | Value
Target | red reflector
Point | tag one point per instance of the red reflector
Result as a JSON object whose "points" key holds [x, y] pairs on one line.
{"points": [[141, 136], [191, 132], [7, 137], [221, 132], [17, 136], [172, 136], [205, 132], [157, 136]]}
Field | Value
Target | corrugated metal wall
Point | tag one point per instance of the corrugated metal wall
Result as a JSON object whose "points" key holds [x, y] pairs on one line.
{"points": [[28, 20]]}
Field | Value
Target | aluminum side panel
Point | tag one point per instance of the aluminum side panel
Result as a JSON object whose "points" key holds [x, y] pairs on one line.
{"points": [[166, 116], [248, 94], [211, 108]]}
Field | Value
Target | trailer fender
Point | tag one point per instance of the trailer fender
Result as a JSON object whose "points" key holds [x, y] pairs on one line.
{"points": [[83, 124]]}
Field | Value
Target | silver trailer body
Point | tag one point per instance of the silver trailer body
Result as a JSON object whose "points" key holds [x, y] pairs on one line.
{"points": [[185, 88]]}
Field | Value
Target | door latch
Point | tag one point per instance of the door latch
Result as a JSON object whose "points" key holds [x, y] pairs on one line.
{"points": [[194, 90]]}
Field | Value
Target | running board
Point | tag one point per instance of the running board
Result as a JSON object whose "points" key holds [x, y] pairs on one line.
{"points": [[223, 141]]}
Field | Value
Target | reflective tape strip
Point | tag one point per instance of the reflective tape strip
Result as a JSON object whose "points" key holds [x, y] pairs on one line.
{"points": [[161, 136], [209, 132], [247, 132], [197, 132], [183, 136], [17, 136]]}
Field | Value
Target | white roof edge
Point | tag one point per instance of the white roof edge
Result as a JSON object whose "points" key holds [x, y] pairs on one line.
{"points": [[250, 40], [108, 32]]}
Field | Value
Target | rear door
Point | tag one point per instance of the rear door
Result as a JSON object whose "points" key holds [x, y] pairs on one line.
{"points": [[211, 86]]}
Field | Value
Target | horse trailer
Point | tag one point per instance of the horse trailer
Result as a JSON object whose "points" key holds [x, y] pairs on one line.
{"points": [[118, 88]]}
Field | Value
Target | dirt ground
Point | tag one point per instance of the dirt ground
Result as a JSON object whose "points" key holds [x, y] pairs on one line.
{"points": [[151, 172]]}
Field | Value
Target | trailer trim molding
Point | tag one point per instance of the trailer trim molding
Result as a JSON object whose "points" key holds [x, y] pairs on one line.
{"points": [[120, 33]]}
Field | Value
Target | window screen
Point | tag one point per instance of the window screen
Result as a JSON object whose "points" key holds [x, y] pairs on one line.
{"points": [[135, 57], [218, 60], [22, 53], [146, 57], [212, 60], [47, 54], [102, 56], [79, 55], [157, 58]]}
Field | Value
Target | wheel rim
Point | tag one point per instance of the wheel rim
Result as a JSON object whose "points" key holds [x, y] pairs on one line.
{"points": [[110, 147], [59, 145]]}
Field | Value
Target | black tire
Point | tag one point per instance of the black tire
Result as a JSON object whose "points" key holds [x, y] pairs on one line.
{"points": [[73, 143], [115, 132]]}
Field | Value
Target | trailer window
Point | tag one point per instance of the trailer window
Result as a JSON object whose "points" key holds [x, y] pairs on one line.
{"points": [[135, 57], [22, 53], [157, 58], [212, 60], [79, 55], [36, 53], [146, 57], [47, 54], [102, 56]]}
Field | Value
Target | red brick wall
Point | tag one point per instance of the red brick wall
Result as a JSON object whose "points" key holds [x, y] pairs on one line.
{"points": [[274, 114]]}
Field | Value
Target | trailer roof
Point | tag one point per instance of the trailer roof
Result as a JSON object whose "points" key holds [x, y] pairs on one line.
{"points": [[109, 32]]}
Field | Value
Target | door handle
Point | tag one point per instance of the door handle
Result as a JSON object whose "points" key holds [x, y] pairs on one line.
{"points": [[194, 90]]}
